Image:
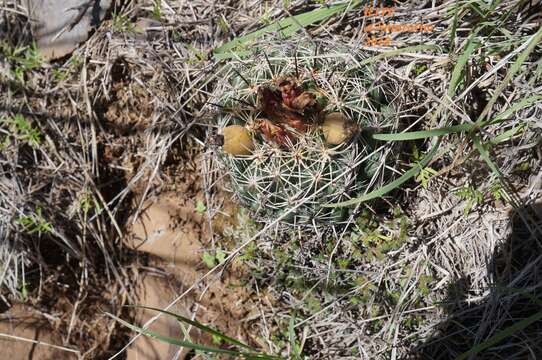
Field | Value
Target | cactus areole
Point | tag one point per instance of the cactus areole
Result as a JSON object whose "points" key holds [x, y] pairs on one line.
{"points": [[294, 121]]}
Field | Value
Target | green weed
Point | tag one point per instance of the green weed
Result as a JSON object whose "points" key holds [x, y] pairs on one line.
{"points": [[497, 192], [60, 75], [88, 202], [198, 55], [21, 129], [426, 173], [211, 260], [266, 17], [200, 207], [471, 195], [122, 23], [419, 68], [312, 303], [4, 142], [375, 242], [35, 223], [24, 59], [157, 10], [23, 290]]}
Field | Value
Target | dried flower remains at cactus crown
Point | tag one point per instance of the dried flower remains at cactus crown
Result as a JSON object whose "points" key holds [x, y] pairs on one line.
{"points": [[288, 110]]}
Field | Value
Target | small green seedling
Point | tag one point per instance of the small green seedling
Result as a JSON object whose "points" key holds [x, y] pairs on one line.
{"points": [[157, 10], [199, 55], [122, 23], [35, 223], [24, 59], [200, 207], [471, 195], [223, 24], [426, 173], [212, 260], [208, 260], [21, 129]]}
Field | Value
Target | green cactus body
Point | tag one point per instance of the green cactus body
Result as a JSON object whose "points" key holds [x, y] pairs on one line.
{"points": [[293, 182]]}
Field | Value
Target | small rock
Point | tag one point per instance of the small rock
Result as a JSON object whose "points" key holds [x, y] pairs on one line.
{"points": [[60, 26]]}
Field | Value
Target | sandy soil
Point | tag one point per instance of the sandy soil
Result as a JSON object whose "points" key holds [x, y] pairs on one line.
{"points": [[175, 235], [22, 322]]}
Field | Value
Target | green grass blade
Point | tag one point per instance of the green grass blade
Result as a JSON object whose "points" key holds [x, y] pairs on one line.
{"points": [[471, 46], [453, 30], [174, 341], [508, 134], [516, 107], [286, 27], [291, 335], [199, 326], [485, 155], [194, 346], [501, 335], [414, 135], [534, 40], [392, 185]]}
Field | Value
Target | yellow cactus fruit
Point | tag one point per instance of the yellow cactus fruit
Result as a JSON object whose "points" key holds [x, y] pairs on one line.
{"points": [[337, 128], [237, 140]]}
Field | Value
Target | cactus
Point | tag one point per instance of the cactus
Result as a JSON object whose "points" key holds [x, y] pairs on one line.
{"points": [[293, 181]]}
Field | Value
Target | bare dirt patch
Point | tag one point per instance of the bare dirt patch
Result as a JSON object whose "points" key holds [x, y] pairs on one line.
{"points": [[176, 234], [22, 322]]}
